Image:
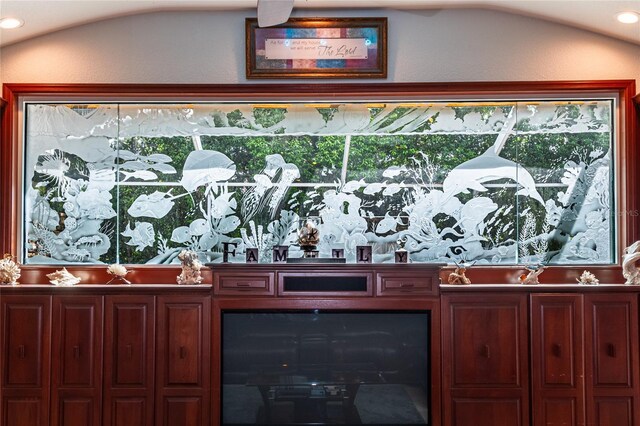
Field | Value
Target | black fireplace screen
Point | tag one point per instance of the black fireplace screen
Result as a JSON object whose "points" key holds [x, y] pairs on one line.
{"points": [[325, 367]]}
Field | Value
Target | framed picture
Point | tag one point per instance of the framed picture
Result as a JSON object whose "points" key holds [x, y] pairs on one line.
{"points": [[317, 48]]}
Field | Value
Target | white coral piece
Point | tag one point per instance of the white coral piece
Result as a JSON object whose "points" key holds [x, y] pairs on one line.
{"points": [[587, 278], [9, 270], [117, 270]]}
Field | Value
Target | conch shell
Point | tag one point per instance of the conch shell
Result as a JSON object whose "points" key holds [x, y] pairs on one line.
{"points": [[63, 278], [9, 270]]}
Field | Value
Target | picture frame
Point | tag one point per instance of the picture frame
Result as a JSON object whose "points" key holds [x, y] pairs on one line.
{"points": [[317, 48]]}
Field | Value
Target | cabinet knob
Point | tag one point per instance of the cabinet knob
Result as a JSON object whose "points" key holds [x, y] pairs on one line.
{"points": [[485, 351], [183, 352], [21, 352], [611, 350], [556, 350]]}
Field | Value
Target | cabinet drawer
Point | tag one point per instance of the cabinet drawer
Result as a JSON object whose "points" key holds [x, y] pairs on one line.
{"points": [[394, 284], [257, 283]]}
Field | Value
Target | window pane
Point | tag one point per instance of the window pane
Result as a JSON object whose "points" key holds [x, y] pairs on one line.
{"points": [[493, 183]]}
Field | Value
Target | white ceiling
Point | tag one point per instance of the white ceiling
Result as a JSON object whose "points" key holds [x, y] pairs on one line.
{"points": [[45, 16]]}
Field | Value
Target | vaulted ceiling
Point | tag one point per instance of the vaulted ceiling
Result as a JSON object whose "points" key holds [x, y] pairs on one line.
{"points": [[46, 16]]}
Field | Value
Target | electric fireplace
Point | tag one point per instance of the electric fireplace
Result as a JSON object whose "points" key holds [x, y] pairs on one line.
{"points": [[325, 367], [352, 345]]}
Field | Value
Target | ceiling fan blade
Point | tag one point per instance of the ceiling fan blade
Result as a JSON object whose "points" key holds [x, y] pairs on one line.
{"points": [[273, 12]]}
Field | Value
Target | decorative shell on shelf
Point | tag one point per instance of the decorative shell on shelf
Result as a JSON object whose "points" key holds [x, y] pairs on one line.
{"points": [[9, 270], [63, 278], [118, 271], [587, 278]]}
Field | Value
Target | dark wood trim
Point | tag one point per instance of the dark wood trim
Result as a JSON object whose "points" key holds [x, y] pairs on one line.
{"points": [[628, 187]]}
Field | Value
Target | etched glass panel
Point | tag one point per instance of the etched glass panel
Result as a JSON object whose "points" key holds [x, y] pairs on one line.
{"points": [[492, 183]]}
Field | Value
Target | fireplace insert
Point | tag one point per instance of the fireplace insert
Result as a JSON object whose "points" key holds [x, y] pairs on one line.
{"points": [[325, 367]]}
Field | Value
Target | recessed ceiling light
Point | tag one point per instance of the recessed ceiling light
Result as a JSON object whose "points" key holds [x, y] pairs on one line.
{"points": [[10, 23], [628, 17]]}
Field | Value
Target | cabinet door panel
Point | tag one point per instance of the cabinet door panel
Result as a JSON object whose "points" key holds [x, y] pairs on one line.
{"points": [[557, 359], [184, 328], [612, 360], [78, 325], [129, 411], [24, 330], [25, 339], [129, 359], [558, 412], [183, 340], [129, 341], [485, 345], [76, 412], [77, 357], [183, 411], [486, 412], [183, 360], [614, 411], [23, 412], [611, 340]]}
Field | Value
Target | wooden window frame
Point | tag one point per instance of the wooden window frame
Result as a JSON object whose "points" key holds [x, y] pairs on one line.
{"points": [[627, 156]]}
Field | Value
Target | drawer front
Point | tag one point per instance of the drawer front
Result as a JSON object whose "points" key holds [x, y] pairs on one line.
{"points": [[395, 284], [256, 283]]}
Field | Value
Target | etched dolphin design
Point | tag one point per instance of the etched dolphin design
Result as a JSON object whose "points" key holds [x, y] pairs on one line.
{"points": [[488, 167]]}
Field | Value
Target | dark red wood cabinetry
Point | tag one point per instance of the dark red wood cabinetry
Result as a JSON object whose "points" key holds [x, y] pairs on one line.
{"points": [[183, 360], [612, 363], [585, 359], [25, 361], [129, 360], [76, 385], [557, 359], [150, 355], [485, 360]]}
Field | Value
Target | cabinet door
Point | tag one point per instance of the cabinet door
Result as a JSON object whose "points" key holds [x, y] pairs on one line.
{"points": [[24, 360], [611, 324], [486, 411], [77, 360], [129, 360], [183, 360], [557, 360], [485, 359]]}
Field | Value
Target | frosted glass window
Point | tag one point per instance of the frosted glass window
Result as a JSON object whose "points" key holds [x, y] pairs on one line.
{"points": [[526, 182]]}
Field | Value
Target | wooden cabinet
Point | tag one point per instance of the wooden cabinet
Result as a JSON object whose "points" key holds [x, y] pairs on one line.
{"points": [[612, 362], [76, 392], [485, 360], [24, 359], [584, 373], [129, 360], [557, 360], [183, 360]]}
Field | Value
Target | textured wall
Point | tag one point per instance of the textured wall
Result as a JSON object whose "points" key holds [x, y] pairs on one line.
{"points": [[208, 47]]}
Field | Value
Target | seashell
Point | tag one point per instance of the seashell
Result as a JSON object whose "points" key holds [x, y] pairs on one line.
{"points": [[63, 278], [9, 270]]}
